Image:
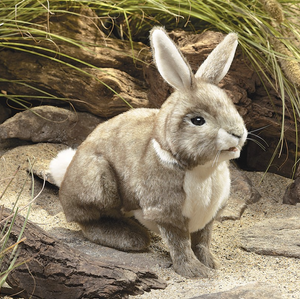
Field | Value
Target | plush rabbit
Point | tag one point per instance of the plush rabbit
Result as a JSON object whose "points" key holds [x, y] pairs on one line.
{"points": [[167, 167]]}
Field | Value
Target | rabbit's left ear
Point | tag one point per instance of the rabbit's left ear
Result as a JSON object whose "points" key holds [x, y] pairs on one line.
{"points": [[169, 61], [218, 62]]}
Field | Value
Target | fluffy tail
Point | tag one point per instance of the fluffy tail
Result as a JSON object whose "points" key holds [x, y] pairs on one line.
{"points": [[58, 166]]}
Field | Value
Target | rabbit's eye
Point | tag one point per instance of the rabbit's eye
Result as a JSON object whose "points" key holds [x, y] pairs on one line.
{"points": [[198, 121]]}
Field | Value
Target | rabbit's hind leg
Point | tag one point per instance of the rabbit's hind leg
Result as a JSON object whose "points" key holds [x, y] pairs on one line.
{"points": [[120, 233], [89, 196]]}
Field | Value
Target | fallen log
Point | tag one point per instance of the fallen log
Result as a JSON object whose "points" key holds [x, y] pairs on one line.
{"points": [[52, 269]]}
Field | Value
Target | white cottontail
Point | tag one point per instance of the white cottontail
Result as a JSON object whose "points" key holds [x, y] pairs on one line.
{"points": [[168, 167]]}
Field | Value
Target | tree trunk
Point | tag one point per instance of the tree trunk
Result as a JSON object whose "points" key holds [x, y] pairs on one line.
{"points": [[54, 270]]}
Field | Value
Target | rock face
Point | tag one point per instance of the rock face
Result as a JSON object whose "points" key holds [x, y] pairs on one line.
{"points": [[50, 124], [249, 291], [273, 237], [242, 194], [292, 193]]}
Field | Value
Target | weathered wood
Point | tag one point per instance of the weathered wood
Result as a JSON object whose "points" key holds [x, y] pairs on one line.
{"points": [[54, 270], [116, 63], [86, 92]]}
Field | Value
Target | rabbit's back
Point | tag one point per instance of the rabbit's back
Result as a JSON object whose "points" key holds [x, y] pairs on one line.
{"points": [[126, 143]]}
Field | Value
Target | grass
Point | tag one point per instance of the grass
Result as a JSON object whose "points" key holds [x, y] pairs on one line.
{"points": [[269, 34], [9, 250]]}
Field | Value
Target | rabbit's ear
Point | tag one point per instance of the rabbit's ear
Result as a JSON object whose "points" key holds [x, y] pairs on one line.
{"points": [[218, 62], [169, 61]]}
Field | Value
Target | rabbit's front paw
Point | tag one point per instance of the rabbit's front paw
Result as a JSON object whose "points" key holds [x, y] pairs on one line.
{"points": [[205, 256], [191, 269]]}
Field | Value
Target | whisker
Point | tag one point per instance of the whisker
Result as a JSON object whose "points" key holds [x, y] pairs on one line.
{"points": [[266, 143], [258, 143], [259, 129]]}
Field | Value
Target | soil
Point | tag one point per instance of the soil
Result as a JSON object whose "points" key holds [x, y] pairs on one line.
{"points": [[239, 267]]}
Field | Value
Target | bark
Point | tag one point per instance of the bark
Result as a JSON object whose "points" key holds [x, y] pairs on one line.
{"points": [[54, 270]]}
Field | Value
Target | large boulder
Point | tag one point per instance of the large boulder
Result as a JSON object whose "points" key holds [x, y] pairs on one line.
{"points": [[50, 124]]}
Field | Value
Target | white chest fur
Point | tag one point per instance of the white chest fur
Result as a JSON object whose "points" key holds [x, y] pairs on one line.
{"points": [[207, 189]]}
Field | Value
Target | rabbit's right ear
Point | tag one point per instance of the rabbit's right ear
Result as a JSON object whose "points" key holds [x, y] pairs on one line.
{"points": [[169, 61]]}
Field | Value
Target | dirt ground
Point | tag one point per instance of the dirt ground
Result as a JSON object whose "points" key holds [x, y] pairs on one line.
{"points": [[239, 267]]}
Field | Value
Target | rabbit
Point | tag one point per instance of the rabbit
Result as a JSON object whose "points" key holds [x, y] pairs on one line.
{"points": [[167, 167]]}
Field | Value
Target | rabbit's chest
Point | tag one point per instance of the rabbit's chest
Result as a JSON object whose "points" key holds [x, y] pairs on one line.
{"points": [[207, 190]]}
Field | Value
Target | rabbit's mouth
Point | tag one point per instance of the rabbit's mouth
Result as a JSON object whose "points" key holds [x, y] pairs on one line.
{"points": [[231, 149]]}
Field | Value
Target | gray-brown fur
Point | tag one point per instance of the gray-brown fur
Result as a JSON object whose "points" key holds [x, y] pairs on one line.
{"points": [[150, 162]]}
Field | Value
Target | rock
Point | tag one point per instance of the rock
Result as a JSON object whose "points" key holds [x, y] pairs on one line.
{"points": [[292, 192], [39, 156], [249, 291], [273, 237], [234, 209], [242, 194], [50, 124], [242, 186]]}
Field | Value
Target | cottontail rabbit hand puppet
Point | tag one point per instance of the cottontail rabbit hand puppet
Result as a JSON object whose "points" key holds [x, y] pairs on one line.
{"points": [[167, 167]]}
